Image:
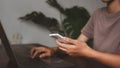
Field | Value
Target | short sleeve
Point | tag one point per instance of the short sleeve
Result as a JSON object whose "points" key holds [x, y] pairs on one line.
{"points": [[88, 29]]}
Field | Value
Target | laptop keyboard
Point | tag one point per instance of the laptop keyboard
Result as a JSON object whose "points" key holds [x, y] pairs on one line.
{"points": [[24, 60], [32, 63]]}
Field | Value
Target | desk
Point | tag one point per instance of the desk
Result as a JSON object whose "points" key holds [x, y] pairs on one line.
{"points": [[80, 62]]}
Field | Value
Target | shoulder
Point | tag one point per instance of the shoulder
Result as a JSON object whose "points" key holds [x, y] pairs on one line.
{"points": [[100, 10]]}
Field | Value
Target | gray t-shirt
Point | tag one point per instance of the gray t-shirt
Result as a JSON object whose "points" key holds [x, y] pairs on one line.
{"points": [[104, 28]]}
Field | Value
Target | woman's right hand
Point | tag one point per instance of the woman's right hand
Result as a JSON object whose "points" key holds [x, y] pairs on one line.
{"points": [[41, 52]]}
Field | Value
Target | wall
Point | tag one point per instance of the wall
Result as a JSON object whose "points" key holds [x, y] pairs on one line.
{"points": [[10, 10]]}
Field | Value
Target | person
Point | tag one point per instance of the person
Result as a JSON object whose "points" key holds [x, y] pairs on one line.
{"points": [[103, 27]]}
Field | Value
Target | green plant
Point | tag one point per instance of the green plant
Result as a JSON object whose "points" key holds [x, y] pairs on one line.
{"points": [[76, 18]]}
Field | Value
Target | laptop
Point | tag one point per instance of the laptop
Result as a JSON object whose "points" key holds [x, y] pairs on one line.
{"points": [[19, 56]]}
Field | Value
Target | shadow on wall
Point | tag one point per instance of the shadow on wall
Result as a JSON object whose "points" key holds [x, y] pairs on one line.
{"points": [[40, 19], [75, 19]]}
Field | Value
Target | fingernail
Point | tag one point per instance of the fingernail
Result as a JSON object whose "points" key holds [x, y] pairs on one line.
{"points": [[40, 56]]}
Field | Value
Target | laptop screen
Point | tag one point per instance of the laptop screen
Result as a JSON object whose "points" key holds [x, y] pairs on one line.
{"points": [[3, 56], [6, 47]]}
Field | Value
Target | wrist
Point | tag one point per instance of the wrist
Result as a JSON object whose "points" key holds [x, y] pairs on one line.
{"points": [[90, 53], [54, 50]]}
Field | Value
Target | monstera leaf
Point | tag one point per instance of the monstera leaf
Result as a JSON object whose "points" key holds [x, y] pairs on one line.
{"points": [[75, 18]]}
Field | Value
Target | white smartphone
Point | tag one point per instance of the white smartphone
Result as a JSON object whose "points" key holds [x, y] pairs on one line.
{"points": [[57, 36]]}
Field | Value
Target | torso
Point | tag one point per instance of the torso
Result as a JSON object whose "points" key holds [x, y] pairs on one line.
{"points": [[107, 31]]}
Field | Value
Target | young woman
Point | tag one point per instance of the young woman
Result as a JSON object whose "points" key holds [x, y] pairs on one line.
{"points": [[103, 27]]}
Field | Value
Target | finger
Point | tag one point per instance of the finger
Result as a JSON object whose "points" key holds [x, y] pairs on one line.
{"points": [[63, 49], [32, 51], [69, 40], [44, 55], [34, 54], [65, 46]]}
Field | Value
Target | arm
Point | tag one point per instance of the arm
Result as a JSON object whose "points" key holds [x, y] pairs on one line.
{"points": [[112, 60], [50, 51], [83, 38], [77, 48]]}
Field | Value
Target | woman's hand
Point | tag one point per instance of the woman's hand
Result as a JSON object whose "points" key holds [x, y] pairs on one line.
{"points": [[74, 47], [41, 52]]}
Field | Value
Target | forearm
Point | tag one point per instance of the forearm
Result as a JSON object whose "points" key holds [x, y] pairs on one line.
{"points": [[55, 49], [112, 60], [82, 38]]}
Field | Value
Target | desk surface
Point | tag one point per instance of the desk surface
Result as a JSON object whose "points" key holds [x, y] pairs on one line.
{"points": [[79, 62]]}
